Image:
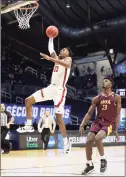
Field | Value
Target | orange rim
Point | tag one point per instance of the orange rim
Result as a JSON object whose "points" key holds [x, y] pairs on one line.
{"points": [[28, 8]]}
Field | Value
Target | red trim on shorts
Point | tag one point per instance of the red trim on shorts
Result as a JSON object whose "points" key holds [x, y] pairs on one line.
{"points": [[61, 98], [64, 77], [42, 93]]}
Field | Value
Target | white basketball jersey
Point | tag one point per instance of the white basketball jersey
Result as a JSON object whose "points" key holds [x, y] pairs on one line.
{"points": [[60, 75]]}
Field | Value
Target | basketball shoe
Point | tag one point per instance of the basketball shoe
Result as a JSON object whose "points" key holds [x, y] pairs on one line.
{"points": [[103, 166], [26, 128], [88, 169]]}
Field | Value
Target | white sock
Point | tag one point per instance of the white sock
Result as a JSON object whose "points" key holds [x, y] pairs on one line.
{"points": [[90, 162], [103, 157], [65, 140], [29, 122]]}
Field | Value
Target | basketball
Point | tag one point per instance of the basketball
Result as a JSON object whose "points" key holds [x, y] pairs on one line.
{"points": [[52, 31]]}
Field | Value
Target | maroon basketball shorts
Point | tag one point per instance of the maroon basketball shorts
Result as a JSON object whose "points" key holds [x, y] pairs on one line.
{"points": [[100, 124]]}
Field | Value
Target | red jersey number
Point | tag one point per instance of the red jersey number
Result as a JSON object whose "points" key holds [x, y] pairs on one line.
{"points": [[55, 68]]}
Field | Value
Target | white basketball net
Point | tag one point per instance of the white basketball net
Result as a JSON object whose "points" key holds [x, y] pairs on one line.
{"points": [[24, 14]]}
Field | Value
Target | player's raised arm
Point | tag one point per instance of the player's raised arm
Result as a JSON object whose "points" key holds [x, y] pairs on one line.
{"points": [[66, 62], [51, 48]]}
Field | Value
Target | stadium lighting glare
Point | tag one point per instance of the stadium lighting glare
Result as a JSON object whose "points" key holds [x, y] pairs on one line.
{"points": [[67, 5], [111, 51]]}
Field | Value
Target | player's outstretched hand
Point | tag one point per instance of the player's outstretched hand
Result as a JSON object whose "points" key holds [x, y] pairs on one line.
{"points": [[81, 130], [45, 56]]}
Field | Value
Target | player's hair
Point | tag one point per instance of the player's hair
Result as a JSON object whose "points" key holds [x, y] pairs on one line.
{"points": [[109, 78], [70, 52]]}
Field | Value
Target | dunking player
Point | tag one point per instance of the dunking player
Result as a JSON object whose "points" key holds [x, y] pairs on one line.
{"points": [[108, 114], [56, 91]]}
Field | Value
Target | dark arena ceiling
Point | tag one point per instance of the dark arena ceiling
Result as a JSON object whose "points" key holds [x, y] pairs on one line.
{"points": [[84, 25]]}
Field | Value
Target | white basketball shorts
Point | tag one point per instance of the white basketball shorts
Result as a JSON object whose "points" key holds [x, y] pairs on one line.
{"points": [[55, 93]]}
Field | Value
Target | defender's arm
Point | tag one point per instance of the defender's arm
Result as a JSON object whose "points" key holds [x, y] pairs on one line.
{"points": [[90, 112]]}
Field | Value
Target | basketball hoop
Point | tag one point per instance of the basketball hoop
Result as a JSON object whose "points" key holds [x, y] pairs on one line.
{"points": [[23, 14]]}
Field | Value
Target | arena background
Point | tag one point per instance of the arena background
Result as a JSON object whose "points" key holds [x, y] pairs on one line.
{"points": [[96, 53], [96, 33]]}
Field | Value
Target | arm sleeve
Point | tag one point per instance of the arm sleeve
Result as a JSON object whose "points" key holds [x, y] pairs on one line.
{"points": [[51, 46]]}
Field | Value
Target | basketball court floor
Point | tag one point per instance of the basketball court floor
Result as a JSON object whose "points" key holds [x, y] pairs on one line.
{"points": [[55, 163]]}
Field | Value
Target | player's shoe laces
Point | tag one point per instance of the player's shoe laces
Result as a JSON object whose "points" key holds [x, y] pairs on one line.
{"points": [[26, 128], [67, 148], [103, 165], [88, 169]]}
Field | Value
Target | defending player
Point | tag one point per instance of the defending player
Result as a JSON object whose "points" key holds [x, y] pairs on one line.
{"points": [[56, 91], [108, 115]]}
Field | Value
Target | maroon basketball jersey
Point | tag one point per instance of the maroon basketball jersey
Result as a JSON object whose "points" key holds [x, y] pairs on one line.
{"points": [[106, 107]]}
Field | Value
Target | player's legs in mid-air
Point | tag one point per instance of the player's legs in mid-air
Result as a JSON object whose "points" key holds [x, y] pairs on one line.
{"points": [[58, 95], [39, 96], [59, 99]]}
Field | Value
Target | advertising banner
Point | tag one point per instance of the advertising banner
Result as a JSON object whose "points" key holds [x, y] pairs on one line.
{"points": [[30, 141], [79, 141], [122, 124], [19, 113], [33, 140], [121, 92]]}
